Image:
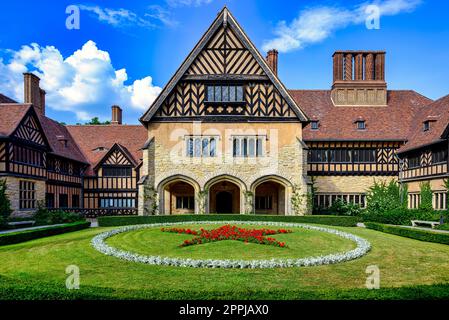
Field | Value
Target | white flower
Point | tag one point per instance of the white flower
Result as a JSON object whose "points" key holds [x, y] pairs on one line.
{"points": [[363, 247]]}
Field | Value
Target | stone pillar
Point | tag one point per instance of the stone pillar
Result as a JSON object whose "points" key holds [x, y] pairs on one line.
{"points": [[380, 66]]}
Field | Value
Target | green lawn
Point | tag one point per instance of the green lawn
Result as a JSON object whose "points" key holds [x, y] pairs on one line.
{"points": [[301, 243], [37, 269]]}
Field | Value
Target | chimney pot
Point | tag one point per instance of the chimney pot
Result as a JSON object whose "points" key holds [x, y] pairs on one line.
{"points": [[272, 60], [116, 115]]}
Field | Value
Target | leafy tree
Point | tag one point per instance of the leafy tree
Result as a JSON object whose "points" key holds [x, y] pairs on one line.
{"points": [[5, 204], [96, 122], [426, 197], [383, 197]]}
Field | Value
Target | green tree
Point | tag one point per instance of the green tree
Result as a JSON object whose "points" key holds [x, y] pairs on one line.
{"points": [[5, 204], [426, 197], [383, 197], [96, 122]]}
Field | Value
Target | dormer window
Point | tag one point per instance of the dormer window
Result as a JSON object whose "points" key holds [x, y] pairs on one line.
{"points": [[361, 125], [315, 125], [426, 126]]}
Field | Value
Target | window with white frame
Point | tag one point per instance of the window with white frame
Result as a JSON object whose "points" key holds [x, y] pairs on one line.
{"points": [[201, 147], [248, 146]]}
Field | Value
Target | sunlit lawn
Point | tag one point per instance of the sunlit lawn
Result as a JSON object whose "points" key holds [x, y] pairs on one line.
{"points": [[402, 262]]}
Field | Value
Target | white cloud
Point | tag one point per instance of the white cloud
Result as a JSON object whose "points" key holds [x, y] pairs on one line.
{"points": [[154, 16], [187, 3], [83, 83], [317, 23]]}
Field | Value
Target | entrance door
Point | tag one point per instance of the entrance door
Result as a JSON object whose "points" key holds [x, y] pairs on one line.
{"points": [[224, 202]]}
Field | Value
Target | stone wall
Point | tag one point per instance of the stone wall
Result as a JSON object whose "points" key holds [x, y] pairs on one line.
{"points": [[284, 158], [13, 192], [347, 184]]}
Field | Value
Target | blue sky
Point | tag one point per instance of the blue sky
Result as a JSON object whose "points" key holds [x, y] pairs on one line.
{"points": [[125, 51]]}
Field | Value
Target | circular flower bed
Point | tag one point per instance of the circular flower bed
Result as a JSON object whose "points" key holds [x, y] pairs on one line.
{"points": [[363, 246]]}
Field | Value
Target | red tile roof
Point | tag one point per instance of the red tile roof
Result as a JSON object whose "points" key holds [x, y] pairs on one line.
{"points": [[5, 99], [338, 123], [438, 115], [90, 138], [11, 115], [55, 132]]}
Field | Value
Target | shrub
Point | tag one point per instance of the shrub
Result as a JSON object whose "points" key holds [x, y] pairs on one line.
{"points": [[22, 236], [398, 216], [444, 226], [383, 197], [5, 205], [417, 234], [133, 220], [43, 216], [343, 208]]}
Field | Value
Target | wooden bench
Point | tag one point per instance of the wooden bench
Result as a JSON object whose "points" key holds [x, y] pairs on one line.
{"points": [[433, 224], [21, 223]]}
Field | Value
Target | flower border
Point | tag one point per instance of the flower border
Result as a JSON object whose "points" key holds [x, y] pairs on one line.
{"points": [[363, 247]]}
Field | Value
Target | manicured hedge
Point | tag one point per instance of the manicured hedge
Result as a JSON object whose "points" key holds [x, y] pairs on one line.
{"points": [[18, 289], [417, 234], [22, 236], [133, 220]]}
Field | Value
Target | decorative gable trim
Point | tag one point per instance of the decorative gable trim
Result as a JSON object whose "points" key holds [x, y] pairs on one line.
{"points": [[224, 19], [117, 155], [30, 129]]}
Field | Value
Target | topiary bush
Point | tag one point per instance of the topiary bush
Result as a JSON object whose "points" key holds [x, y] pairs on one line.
{"points": [[426, 203], [5, 205]]}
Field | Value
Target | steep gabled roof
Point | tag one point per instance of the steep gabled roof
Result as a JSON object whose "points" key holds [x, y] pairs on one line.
{"points": [[5, 99], [223, 18], [437, 113], [123, 150], [12, 115], [96, 141], [383, 123]]}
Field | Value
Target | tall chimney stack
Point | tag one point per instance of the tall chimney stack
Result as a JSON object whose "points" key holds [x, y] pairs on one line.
{"points": [[272, 60], [116, 115], [359, 78], [33, 94]]}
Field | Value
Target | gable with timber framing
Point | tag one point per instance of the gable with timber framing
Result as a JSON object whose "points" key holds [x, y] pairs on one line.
{"points": [[31, 131], [117, 156], [226, 58]]}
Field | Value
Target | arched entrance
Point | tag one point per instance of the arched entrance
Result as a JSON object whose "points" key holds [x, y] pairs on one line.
{"points": [[224, 197], [177, 196], [270, 196], [224, 202]]}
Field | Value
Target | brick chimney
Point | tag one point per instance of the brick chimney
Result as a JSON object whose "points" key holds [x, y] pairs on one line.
{"points": [[359, 78], [272, 60], [33, 93], [116, 115]]}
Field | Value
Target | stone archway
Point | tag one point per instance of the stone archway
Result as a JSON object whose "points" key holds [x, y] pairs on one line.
{"points": [[271, 195], [225, 195], [178, 195]]}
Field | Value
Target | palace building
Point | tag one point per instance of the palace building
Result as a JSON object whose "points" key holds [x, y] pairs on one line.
{"points": [[226, 136]]}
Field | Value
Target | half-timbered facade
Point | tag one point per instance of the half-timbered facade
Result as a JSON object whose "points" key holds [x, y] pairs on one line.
{"points": [[226, 136], [425, 157]]}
